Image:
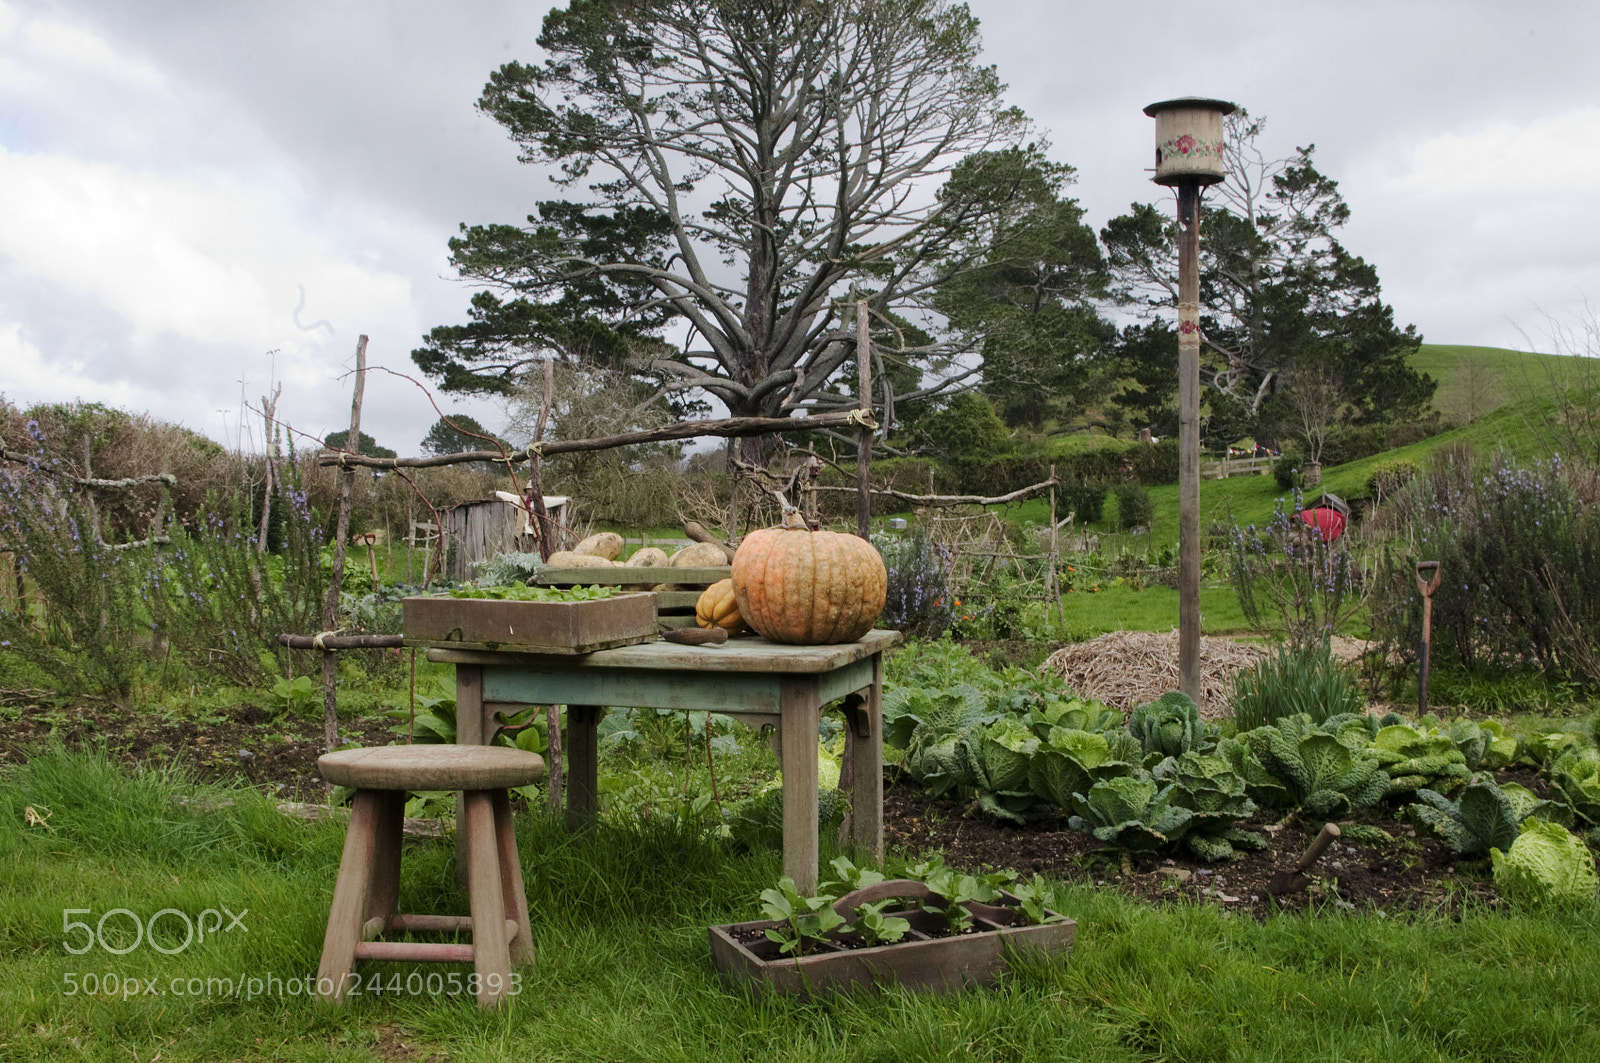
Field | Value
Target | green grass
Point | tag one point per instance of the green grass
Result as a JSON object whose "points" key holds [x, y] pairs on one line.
{"points": [[624, 970], [1120, 607]]}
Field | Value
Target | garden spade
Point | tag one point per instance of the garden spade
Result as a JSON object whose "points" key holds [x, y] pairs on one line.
{"points": [[1297, 880], [1426, 587]]}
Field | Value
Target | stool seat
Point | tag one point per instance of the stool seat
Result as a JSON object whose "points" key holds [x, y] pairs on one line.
{"points": [[431, 767], [364, 909]]}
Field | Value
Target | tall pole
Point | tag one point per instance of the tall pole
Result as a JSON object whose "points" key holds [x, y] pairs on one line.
{"points": [[864, 437], [341, 535], [1189, 439]]}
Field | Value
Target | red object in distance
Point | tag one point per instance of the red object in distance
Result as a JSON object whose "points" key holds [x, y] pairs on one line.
{"points": [[1328, 522]]}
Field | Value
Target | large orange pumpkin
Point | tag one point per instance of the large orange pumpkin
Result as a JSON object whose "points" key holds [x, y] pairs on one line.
{"points": [[808, 587]]}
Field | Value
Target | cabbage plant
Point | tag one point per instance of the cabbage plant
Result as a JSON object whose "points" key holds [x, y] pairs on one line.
{"points": [[1547, 866]]}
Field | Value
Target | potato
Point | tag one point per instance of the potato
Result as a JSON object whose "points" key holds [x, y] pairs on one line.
{"points": [[649, 557], [700, 555], [601, 544], [573, 559]]}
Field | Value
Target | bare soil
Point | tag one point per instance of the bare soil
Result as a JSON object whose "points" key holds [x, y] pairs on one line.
{"points": [[1402, 875]]}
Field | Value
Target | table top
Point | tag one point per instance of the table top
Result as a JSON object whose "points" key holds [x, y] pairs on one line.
{"points": [[736, 655]]}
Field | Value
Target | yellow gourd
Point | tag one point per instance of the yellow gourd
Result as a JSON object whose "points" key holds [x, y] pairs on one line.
{"points": [[718, 607]]}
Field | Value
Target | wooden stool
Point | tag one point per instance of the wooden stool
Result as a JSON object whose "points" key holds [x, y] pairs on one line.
{"points": [[365, 897]]}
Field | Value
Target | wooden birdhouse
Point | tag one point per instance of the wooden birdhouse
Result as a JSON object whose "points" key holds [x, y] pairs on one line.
{"points": [[1189, 140]]}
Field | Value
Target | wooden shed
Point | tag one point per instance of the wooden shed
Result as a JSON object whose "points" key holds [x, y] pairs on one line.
{"points": [[478, 530]]}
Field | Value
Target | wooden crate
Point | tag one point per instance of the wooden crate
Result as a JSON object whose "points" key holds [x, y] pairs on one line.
{"points": [[673, 608], [530, 627], [920, 961]]}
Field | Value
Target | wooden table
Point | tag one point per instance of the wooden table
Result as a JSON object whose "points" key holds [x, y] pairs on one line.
{"points": [[760, 681]]}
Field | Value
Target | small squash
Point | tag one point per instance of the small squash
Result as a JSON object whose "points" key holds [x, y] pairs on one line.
{"points": [[808, 587], [718, 607]]}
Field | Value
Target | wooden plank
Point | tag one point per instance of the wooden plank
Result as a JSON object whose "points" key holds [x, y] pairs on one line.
{"points": [[685, 689], [831, 686], [622, 574], [736, 655]]}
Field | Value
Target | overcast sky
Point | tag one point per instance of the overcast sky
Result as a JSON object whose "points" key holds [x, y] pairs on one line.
{"points": [[198, 200]]}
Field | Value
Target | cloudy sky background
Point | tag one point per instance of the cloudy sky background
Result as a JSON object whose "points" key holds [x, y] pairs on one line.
{"points": [[198, 201]]}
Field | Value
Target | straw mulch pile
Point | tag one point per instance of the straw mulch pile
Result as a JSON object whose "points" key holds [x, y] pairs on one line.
{"points": [[1125, 669]]}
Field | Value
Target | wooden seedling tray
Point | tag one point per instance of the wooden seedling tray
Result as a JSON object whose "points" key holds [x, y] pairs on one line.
{"points": [[530, 627], [742, 954]]}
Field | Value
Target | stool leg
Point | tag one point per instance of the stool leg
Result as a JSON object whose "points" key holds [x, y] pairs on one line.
{"points": [[350, 898], [491, 956], [384, 893], [511, 889]]}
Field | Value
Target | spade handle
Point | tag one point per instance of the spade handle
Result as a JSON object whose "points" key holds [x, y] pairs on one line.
{"points": [[1318, 845]]}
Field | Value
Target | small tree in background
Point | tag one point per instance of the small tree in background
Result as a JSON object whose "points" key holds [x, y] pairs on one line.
{"points": [[368, 445]]}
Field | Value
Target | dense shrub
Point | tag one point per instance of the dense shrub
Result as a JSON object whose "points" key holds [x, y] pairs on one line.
{"points": [[1134, 507], [1086, 500], [1289, 471], [1388, 476], [1519, 557], [1155, 463]]}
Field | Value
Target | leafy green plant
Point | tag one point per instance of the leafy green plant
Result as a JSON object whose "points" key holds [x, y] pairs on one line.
{"points": [[507, 569], [1486, 815], [299, 695], [1207, 785], [1072, 761], [876, 928], [806, 920], [1484, 746], [1575, 776], [1131, 813], [1547, 866], [956, 889], [1415, 759], [1322, 775], [1171, 726], [1036, 899], [1293, 681]]}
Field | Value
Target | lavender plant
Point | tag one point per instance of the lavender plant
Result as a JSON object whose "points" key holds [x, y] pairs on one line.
{"points": [[78, 605], [919, 600], [1286, 575]]}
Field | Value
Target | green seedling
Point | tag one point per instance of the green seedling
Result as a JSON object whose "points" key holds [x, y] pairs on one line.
{"points": [[805, 919]]}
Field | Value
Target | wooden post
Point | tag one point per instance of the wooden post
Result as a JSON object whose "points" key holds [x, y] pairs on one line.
{"points": [[1053, 584], [541, 518], [269, 409], [864, 444], [1189, 439], [330, 604]]}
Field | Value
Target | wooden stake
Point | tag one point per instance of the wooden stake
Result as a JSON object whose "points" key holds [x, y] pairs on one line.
{"points": [[268, 411], [864, 444], [330, 604]]}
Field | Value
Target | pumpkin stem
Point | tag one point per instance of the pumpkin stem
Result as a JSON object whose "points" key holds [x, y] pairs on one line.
{"points": [[792, 517]]}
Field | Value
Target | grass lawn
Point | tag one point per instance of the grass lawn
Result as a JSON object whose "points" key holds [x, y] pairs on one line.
{"points": [[624, 970]]}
